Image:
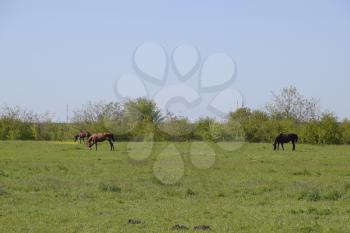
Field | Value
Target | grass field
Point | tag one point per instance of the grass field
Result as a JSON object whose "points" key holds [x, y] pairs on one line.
{"points": [[62, 187]]}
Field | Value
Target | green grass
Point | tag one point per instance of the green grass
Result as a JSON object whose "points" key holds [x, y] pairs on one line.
{"points": [[53, 187]]}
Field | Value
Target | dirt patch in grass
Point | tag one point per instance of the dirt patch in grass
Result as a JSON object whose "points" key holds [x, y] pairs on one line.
{"points": [[178, 227], [202, 228], [135, 222]]}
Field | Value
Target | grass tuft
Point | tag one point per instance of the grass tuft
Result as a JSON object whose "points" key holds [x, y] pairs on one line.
{"points": [[305, 172], [3, 174], [333, 195], [2, 191], [109, 187], [190, 193], [310, 195]]}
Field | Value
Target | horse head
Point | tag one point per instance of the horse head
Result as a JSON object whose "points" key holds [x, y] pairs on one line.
{"points": [[274, 145], [88, 144]]}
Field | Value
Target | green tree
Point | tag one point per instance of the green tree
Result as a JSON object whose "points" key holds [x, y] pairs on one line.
{"points": [[142, 110], [141, 118], [16, 123], [208, 129], [345, 129], [176, 128], [329, 131], [309, 132]]}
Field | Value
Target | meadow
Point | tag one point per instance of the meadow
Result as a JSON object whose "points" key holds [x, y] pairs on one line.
{"points": [[63, 187]]}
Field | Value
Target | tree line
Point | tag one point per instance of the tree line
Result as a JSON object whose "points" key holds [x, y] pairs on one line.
{"points": [[140, 119]]}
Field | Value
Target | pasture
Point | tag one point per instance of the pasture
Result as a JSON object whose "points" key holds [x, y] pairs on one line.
{"points": [[63, 187]]}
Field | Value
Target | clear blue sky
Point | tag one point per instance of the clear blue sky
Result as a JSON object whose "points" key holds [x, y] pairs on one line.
{"points": [[58, 52]]}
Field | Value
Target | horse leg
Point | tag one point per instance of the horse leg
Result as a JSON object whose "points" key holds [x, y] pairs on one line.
{"points": [[282, 146], [111, 144], [96, 145], [80, 140], [293, 145]]}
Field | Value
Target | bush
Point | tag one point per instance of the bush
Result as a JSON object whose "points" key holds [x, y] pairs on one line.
{"points": [[330, 131], [141, 120], [345, 129]]}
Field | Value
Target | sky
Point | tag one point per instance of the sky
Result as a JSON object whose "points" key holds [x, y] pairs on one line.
{"points": [[54, 53]]}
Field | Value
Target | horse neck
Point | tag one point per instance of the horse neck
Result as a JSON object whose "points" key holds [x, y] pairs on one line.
{"points": [[110, 136]]}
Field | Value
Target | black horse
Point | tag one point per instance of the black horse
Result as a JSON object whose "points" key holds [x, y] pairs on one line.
{"points": [[285, 138]]}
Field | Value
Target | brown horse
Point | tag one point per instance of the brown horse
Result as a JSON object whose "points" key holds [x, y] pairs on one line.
{"points": [[100, 137], [81, 136]]}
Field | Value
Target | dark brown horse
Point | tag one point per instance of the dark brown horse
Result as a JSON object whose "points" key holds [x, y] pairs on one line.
{"points": [[285, 138], [100, 137], [81, 136]]}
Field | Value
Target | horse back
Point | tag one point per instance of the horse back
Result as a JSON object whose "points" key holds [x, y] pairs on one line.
{"points": [[285, 138], [100, 137]]}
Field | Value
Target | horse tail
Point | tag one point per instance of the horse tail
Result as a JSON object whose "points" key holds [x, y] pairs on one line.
{"points": [[296, 138]]}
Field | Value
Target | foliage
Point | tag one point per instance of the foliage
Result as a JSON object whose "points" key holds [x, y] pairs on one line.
{"points": [[176, 128], [290, 104], [329, 129], [345, 129], [207, 129], [141, 119]]}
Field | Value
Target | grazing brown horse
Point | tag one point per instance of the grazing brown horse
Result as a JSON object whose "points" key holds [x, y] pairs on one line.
{"points": [[81, 136], [100, 137]]}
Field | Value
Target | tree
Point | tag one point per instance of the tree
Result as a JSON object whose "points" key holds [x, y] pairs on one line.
{"points": [[142, 110], [176, 128], [207, 129], [330, 131], [289, 103], [98, 111], [256, 129], [240, 115], [309, 132], [345, 128], [98, 116], [140, 118], [16, 123]]}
